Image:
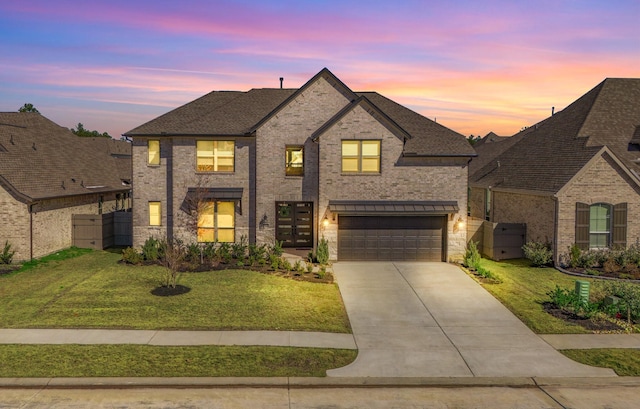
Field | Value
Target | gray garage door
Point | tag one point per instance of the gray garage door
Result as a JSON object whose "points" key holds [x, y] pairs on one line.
{"points": [[417, 238]]}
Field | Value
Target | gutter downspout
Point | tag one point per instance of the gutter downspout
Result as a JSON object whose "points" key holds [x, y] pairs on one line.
{"points": [[556, 260], [31, 232]]}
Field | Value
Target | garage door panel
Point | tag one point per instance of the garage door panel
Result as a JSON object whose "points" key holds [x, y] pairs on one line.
{"points": [[391, 238]]}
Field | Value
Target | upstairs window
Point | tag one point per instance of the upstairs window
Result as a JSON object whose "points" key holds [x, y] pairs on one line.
{"points": [[294, 161], [216, 222], [154, 152], [215, 156], [361, 156]]}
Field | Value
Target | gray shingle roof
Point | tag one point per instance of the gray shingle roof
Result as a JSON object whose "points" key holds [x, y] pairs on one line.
{"points": [[40, 159], [548, 154], [239, 113]]}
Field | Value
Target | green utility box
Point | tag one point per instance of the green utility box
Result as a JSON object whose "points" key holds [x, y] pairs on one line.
{"points": [[582, 289]]}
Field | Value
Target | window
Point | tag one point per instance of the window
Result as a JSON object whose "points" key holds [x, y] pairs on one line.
{"points": [[155, 214], [360, 156], [216, 222], [599, 226], [214, 156], [154, 152], [487, 204], [294, 161]]}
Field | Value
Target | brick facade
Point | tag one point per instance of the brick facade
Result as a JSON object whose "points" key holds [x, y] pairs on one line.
{"points": [[49, 227], [394, 182], [602, 181], [260, 172]]}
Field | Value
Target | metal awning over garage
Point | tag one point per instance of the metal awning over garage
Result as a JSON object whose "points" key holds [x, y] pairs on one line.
{"points": [[390, 207]]}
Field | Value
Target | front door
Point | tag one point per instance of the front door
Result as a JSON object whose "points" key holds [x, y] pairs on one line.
{"points": [[294, 224]]}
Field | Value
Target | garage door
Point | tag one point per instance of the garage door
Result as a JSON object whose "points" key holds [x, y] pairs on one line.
{"points": [[417, 238]]}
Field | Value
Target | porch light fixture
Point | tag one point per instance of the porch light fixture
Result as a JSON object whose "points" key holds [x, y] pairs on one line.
{"points": [[325, 221], [458, 225]]}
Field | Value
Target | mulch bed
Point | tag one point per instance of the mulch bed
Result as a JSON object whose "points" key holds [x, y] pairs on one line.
{"points": [[165, 291], [599, 272], [595, 325], [7, 269]]}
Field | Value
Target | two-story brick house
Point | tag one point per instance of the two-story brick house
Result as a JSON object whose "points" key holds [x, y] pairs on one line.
{"points": [[377, 180]]}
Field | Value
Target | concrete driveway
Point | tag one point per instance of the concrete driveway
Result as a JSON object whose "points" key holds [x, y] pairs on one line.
{"points": [[432, 320]]}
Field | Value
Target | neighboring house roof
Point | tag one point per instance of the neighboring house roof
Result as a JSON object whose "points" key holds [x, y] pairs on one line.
{"points": [[222, 113], [40, 159], [547, 155], [489, 148]]}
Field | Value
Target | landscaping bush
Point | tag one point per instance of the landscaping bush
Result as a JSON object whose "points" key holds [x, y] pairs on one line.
{"points": [[151, 249], [569, 300], [629, 295], [539, 254], [239, 249], [6, 257], [485, 273], [472, 256], [322, 254], [131, 256]]}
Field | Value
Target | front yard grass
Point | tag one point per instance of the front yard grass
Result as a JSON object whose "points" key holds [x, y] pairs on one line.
{"points": [[36, 361], [90, 289], [93, 290], [523, 290]]}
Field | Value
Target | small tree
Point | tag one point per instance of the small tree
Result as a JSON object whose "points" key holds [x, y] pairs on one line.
{"points": [[472, 256], [173, 256]]}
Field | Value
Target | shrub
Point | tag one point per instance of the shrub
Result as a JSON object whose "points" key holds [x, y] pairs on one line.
{"points": [[6, 257], [484, 273], [239, 249], [151, 249], [309, 268], [569, 300], [322, 271], [131, 256], [322, 254], [472, 256], [629, 295], [574, 256], [539, 254], [276, 249], [274, 261]]}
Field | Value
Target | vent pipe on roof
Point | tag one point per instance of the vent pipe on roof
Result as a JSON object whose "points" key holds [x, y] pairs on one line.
{"points": [[281, 81], [553, 109]]}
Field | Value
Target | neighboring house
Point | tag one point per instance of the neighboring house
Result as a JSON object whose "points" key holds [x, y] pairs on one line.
{"points": [[374, 178], [572, 178], [48, 174]]}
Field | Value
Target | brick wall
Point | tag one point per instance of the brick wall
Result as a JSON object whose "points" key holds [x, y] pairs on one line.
{"points": [[536, 211], [293, 125], [601, 182], [51, 222], [169, 182], [431, 183]]}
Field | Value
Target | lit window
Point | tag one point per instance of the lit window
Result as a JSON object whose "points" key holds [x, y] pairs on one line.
{"points": [[155, 214], [214, 156], [294, 161], [361, 156], [599, 226], [154, 152], [216, 222]]}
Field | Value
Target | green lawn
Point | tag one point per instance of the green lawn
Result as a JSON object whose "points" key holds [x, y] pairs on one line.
{"points": [[523, 290], [35, 361], [93, 290]]}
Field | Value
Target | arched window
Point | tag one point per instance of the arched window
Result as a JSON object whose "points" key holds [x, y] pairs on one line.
{"points": [[599, 226]]}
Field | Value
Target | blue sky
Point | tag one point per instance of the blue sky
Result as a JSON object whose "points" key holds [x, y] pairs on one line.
{"points": [[475, 66]]}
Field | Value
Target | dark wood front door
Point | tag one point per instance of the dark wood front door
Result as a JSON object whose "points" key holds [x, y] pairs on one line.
{"points": [[294, 224]]}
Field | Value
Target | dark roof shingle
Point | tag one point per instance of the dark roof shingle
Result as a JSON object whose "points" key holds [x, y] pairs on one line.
{"points": [[44, 160]]}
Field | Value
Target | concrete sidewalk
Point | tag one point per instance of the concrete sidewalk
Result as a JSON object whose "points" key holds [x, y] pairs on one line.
{"points": [[177, 338]]}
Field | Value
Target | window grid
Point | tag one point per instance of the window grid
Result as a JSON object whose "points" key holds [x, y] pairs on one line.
{"points": [[216, 222], [215, 156], [361, 156]]}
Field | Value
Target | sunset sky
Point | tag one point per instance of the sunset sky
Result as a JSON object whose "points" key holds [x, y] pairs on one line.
{"points": [[474, 66]]}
